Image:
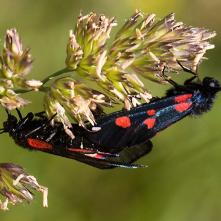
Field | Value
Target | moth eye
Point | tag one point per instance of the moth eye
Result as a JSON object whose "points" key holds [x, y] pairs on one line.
{"points": [[212, 84]]}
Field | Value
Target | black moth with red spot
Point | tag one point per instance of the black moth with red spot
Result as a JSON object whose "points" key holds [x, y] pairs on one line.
{"points": [[34, 132], [123, 136], [137, 126]]}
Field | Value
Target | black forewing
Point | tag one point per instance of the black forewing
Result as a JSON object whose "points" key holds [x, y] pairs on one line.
{"points": [[113, 137]]}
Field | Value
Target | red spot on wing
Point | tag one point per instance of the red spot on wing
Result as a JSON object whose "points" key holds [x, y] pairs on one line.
{"points": [[96, 156], [150, 122], [183, 107], [123, 122], [151, 112], [79, 150], [39, 144], [182, 98], [99, 156]]}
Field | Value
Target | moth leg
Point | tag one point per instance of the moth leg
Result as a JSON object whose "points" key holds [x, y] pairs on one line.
{"points": [[173, 83], [167, 79], [188, 81], [186, 69], [176, 85]]}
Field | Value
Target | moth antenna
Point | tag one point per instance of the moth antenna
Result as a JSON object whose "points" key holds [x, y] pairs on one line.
{"points": [[19, 114], [187, 69]]}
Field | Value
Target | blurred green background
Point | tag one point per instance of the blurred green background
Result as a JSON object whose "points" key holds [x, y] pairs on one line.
{"points": [[183, 180]]}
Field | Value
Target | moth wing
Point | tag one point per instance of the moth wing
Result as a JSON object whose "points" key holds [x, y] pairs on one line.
{"points": [[124, 160], [142, 126]]}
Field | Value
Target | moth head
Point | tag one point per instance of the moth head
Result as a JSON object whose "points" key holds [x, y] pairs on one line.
{"points": [[211, 84]]}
